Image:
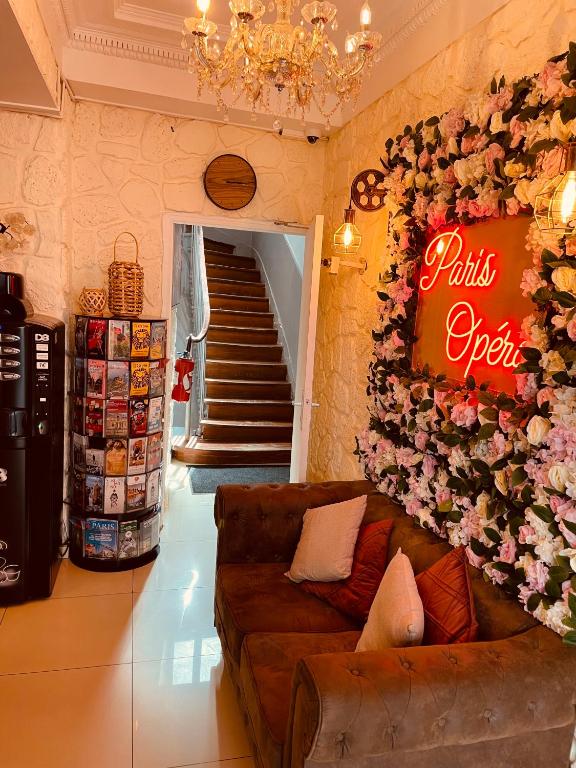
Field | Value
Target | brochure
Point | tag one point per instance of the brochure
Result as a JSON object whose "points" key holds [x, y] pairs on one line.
{"points": [[158, 340], [95, 457], [128, 534], [94, 418], [94, 494], [157, 374], [154, 458], [138, 417], [96, 379], [119, 339], [136, 492], [115, 496], [96, 338], [100, 539], [149, 533], [139, 379], [140, 339], [153, 488], [118, 380], [155, 414], [115, 461], [117, 418], [137, 455], [80, 336]]}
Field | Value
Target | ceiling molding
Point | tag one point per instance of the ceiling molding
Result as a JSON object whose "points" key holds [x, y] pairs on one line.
{"points": [[150, 17], [108, 44], [420, 14]]}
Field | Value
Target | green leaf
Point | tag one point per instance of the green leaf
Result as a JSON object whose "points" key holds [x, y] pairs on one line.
{"points": [[499, 464], [553, 589], [445, 506], [544, 145], [481, 467], [534, 601], [432, 121], [490, 414], [519, 458], [493, 535], [487, 431], [572, 602], [518, 476], [544, 513]]}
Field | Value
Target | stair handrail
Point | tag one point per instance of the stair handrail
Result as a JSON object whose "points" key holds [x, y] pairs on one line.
{"points": [[202, 313]]}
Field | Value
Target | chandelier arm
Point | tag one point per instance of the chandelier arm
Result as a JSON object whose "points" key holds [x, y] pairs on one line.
{"points": [[334, 64], [212, 66]]}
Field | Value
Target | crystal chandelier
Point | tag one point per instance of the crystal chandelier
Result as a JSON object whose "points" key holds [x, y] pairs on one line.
{"points": [[297, 61]]}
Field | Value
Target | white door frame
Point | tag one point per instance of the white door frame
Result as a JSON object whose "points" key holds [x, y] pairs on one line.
{"points": [[169, 221]]}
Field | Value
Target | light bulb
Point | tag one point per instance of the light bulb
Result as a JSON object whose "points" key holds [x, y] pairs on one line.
{"points": [[568, 204], [203, 6], [348, 236], [365, 15]]}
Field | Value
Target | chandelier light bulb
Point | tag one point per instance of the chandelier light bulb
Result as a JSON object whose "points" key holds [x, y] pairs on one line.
{"points": [[365, 15], [350, 44], [203, 6]]}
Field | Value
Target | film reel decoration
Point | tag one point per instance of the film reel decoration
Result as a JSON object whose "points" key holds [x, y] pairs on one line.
{"points": [[368, 193]]}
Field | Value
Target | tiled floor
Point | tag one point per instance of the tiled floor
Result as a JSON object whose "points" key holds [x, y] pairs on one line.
{"points": [[124, 670]]}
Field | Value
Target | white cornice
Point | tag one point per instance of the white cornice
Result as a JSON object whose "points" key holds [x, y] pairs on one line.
{"points": [[420, 13], [150, 17], [109, 44]]}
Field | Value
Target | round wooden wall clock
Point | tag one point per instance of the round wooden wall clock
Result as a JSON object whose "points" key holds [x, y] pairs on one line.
{"points": [[230, 182]]}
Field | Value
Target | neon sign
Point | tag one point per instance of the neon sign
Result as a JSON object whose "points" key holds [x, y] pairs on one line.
{"points": [[470, 307]]}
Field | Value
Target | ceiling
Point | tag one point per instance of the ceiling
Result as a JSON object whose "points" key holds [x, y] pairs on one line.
{"points": [[129, 52]]}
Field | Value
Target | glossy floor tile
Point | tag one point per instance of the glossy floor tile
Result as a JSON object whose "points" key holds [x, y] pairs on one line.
{"points": [[76, 582], [66, 634], [78, 718], [174, 623], [180, 565], [186, 712], [185, 524]]}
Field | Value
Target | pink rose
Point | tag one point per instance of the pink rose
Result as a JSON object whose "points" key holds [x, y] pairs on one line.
{"points": [[571, 246], [551, 162], [420, 440], [525, 593], [494, 152], [485, 205], [571, 329], [525, 532], [464, 415], [413, 506], [436, 214], [531, 282], [428, 466], [512, 206], [516, 128], [404, 242], [475, 560], [550, 80], [504, 421], [537, 575], [449, 175], [452, 123], [473, 143], [507, 552], [526, 385], [501, 101], [396, 340], [424, 160], [441, 495]]}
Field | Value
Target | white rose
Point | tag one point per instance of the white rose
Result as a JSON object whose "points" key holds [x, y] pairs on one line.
{"points": [[558, 476], [558, 129], [522, 191], [496, 123], [564, 278], [501, 481], [452, 146], [482, 505], [408, 179], [513, 170], [421, 180], [538, 428], [571, 553]]}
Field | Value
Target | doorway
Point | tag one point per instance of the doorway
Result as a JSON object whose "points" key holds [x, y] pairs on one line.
{"points": [[249, 413]]}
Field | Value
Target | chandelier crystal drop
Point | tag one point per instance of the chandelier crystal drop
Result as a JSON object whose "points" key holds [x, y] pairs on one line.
{"points": [[296, 60]]}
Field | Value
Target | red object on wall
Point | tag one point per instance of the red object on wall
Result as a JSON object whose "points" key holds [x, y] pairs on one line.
{"points": [[470, 307], [184, 367]]}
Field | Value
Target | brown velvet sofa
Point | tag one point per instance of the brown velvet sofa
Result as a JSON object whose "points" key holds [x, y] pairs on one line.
{"points": [[309, 700]]}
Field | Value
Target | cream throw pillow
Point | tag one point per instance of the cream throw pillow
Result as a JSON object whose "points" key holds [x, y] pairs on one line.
{"points": [[396, 618], [326, 548]]}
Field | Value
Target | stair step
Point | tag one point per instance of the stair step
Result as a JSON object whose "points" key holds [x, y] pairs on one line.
{"points": [[250, 410], [234, 318], [204, 454], [243, 370], [235, 287], [215, 245], [222, 389], [271, 353], [246, 431], [233, 273], [229, 259], [242, 303], [243, 335]]}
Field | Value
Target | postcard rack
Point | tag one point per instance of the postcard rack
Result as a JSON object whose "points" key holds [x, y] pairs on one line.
{"points": [[117, 439]]}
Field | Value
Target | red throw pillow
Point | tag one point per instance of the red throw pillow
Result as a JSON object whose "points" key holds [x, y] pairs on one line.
{"points": [[354, 595], [446, 593]]}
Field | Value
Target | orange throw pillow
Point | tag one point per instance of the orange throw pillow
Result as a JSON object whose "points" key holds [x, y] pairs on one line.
{"points": [[354, 595], [449, 613]]}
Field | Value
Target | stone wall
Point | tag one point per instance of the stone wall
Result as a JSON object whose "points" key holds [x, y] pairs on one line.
{"points": [[34, 170], [130, 167], [512, 42]]}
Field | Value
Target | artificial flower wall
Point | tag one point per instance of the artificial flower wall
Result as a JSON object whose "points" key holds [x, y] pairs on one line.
{"points": [[493, 472]]}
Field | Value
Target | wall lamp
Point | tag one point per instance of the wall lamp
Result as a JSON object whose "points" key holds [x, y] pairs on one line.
{"points": [[555, 206], [367, 193]]}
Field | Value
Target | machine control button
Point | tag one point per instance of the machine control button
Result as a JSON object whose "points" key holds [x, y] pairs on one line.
{"points": [[9, 337], [42, 427], [42, 348], [9, 376], [9, 351], [41, 355], [9, 363], [42, 366], [41, 337]]}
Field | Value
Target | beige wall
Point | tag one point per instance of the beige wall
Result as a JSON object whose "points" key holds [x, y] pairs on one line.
{"points": [[100, 170], [515, 41]]}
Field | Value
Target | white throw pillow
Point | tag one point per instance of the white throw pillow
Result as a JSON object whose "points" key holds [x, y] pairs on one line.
{"points": [[396, 618], [325, 551]]}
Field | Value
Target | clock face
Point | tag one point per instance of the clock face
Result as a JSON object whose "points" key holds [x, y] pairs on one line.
{"points": [[230, 182]]}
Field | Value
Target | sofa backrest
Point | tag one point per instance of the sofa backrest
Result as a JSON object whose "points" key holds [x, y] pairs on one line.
{"points": [[499, 615]]}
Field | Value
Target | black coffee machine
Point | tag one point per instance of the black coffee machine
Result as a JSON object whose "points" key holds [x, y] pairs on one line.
{"points": [[32, 362]]}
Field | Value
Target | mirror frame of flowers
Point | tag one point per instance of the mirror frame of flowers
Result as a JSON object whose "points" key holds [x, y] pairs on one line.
{"points": [[494, 473]]}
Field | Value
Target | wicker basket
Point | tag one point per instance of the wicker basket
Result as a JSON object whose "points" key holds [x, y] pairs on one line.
{"points": [[92, 301], [125, 285]]}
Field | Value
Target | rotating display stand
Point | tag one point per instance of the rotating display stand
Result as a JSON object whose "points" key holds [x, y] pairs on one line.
{"points": [[117, 440]]}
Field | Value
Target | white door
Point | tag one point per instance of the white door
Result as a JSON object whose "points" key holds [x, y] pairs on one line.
{"points": [[306, 348]]}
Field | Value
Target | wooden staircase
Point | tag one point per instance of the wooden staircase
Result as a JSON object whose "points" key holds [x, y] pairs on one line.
{"points": [[248, 395]]}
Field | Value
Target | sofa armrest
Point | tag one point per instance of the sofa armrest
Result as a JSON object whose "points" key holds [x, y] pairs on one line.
{"points": [[350, 706], [262, 523]]}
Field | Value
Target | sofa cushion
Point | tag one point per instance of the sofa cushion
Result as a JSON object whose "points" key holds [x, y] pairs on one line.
{"points": [[266, 670], [354, 595], [449, 613], [259, 598], [325, 551]]}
